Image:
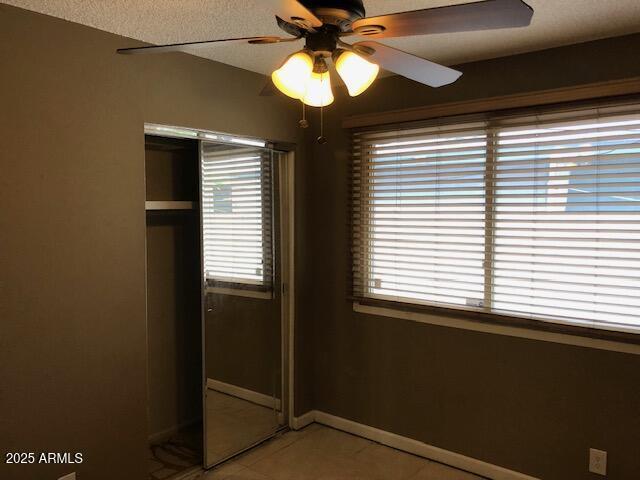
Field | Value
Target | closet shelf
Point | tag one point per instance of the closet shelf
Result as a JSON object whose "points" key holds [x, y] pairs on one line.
{"points": [[169, 205]]}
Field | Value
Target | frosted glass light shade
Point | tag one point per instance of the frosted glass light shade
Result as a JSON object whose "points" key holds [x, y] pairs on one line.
{"points": [[358, 74], [318, 92], [292, 78]]}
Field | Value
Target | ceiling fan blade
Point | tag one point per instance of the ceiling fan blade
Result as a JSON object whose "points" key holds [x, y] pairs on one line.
{"points": [[189, 46], [290, 28], [293, 11], [409, 66], [485, 15]]}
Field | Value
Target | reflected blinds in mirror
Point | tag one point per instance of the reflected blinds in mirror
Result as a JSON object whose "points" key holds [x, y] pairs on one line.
{"points": [[237, 216]]}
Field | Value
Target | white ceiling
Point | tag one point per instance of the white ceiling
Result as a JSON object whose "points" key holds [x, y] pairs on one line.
{"points": [[555, 23]]}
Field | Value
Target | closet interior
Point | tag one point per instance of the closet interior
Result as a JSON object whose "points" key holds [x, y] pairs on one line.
{"points": [[174, 328]]}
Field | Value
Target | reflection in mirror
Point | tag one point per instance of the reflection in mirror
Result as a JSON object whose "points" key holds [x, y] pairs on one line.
{"points": [[242, 318]]}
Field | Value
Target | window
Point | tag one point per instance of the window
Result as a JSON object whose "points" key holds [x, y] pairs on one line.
{"points": [[237, 223], [529, 216]]}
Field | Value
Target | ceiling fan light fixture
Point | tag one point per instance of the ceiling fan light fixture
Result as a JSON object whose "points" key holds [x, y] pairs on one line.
{"points": [[357, 73], [292, 78], [319, 93]]}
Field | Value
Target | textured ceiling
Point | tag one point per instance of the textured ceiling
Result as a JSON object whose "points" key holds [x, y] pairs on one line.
{"points": [[555, 23]]}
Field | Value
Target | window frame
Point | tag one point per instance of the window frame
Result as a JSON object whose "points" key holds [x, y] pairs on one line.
{"points": [[484, 314]]}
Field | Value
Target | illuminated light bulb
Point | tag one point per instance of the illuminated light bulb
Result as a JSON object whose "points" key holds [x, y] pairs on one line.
{"points": [[292, 78], [358, 74], [318, 92]]}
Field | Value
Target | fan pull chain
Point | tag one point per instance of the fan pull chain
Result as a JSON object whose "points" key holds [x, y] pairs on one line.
{"points": [[322, 139], [304, 123]]}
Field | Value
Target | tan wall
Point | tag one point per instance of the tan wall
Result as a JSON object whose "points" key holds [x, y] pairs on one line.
{"points": [[531, 406], [72, 285]]}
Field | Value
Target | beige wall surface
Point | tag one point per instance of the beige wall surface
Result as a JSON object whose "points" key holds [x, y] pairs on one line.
{"points": [[72, 223], [531, 406]]}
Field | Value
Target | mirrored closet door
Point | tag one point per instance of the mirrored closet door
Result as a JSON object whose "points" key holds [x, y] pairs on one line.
{"points": [[242, 301]]}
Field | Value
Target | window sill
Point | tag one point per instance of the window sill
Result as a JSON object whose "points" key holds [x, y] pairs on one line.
{"points": [[237, 292], [448, 319]]}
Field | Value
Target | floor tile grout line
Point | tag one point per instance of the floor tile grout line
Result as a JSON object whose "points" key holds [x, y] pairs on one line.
{"points": [[323, 449], [401, 451], [265, 444]]}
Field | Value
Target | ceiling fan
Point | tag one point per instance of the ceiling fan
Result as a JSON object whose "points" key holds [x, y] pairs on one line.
{"points": [[323, 24]]}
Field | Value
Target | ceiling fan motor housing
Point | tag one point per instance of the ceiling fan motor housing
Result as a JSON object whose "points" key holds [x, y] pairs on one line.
{"points": [[340, 13], [323, 42]]}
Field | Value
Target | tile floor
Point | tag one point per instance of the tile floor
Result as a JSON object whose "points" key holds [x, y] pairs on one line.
{"points": [[322, 453], [234, 424]]}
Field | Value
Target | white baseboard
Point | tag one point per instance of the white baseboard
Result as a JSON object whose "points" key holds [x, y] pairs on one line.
{"points": [[245, 394], [303, 420], [410, 445], [166, 434]]}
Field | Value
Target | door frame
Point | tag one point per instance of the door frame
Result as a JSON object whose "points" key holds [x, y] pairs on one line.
{"points": [[287, 265]]}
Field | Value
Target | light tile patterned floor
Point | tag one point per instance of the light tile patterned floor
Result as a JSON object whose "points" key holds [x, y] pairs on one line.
{"points": [[234, 424], [322, 453]]}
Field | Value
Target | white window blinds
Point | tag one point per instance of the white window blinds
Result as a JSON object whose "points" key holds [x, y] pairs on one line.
{"points": [[567, 230], [419, 214], [237, 217], [530, 216]]}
